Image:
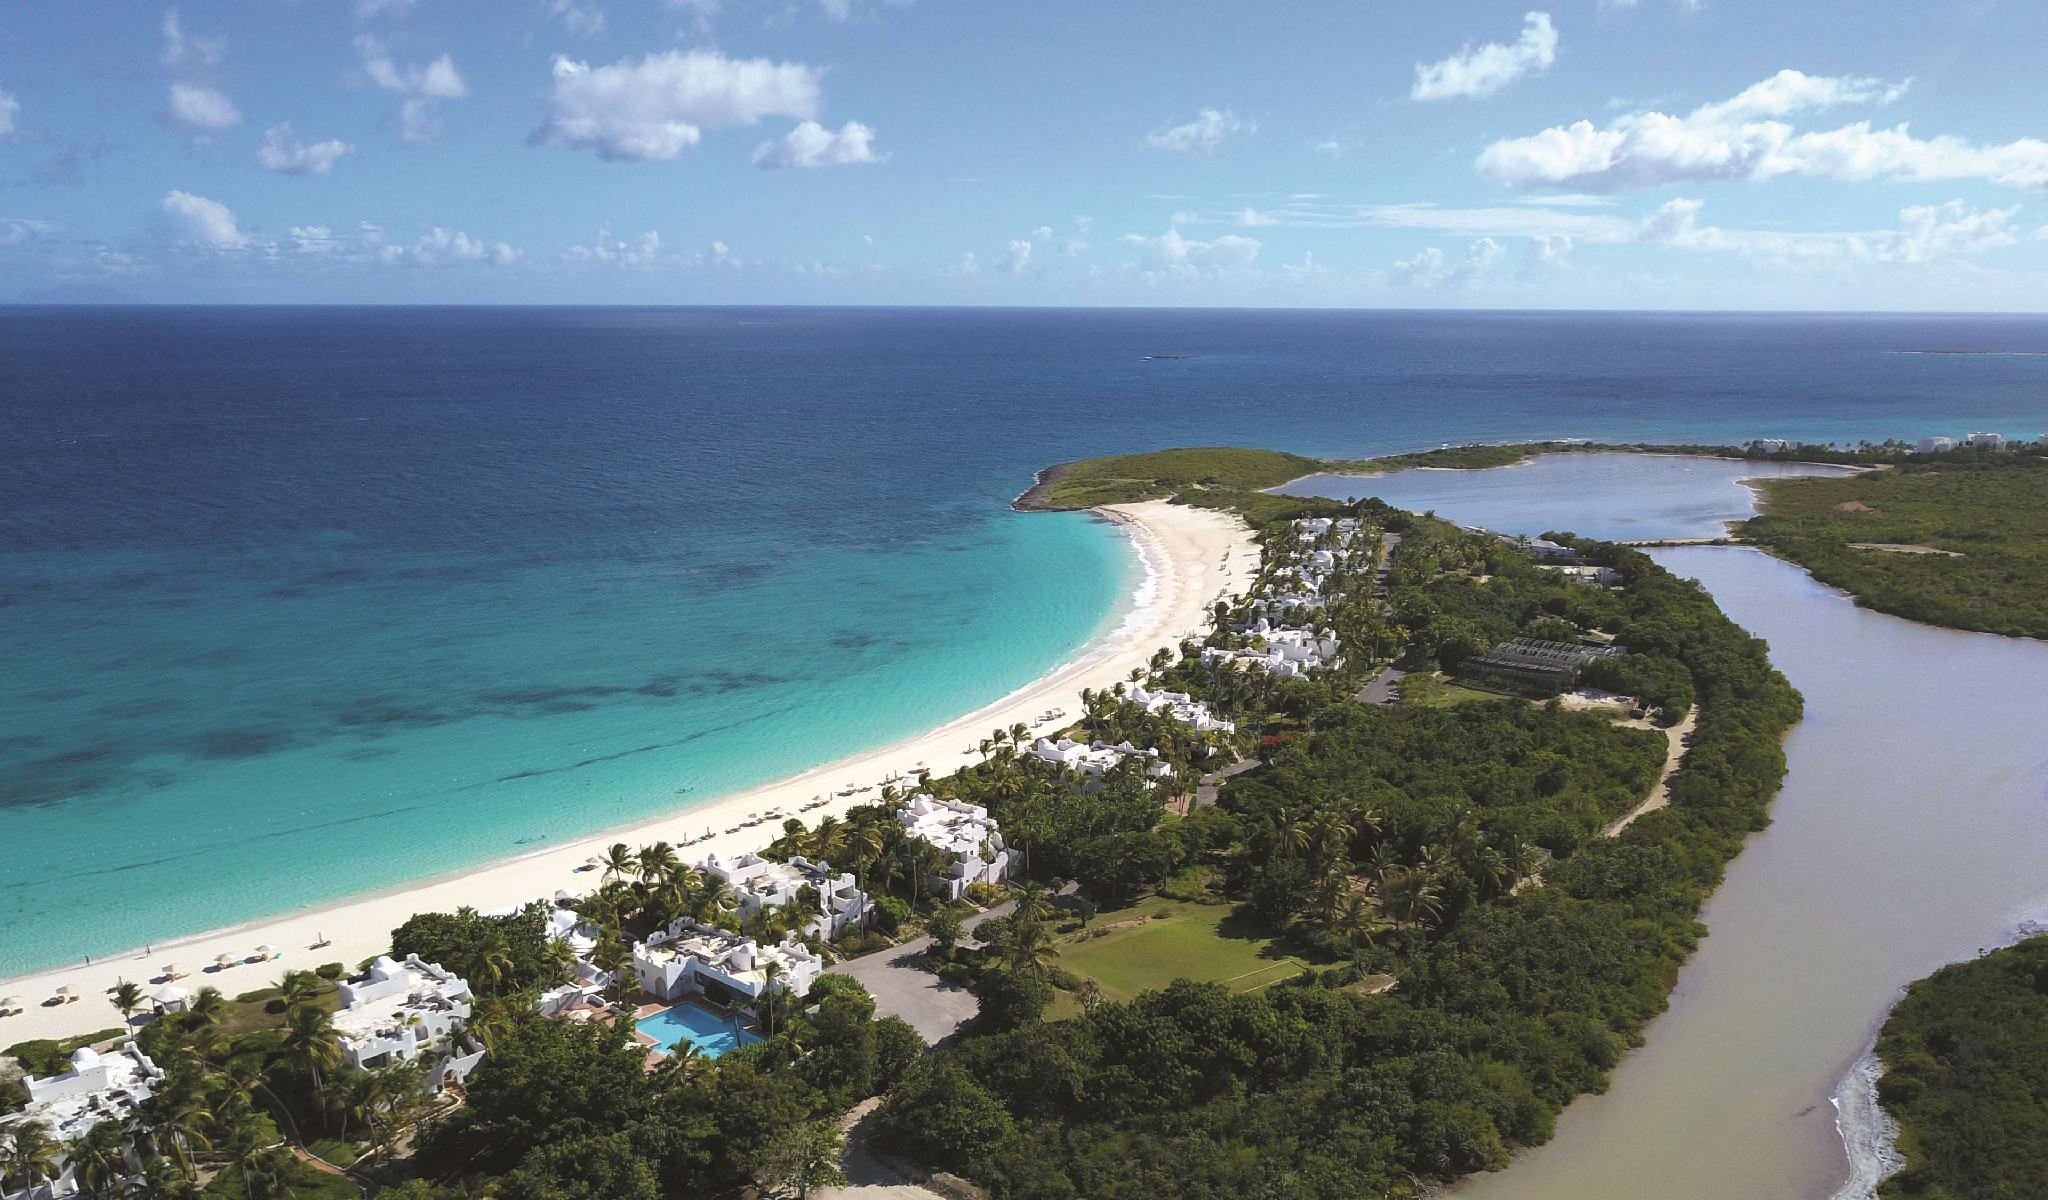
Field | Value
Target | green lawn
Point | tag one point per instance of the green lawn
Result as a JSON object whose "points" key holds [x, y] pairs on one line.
{"points": [[1157, 941], [1435, 691]]}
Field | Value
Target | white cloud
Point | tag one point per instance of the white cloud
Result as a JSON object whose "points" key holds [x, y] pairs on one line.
{"points": [[204, 222], [659, 106], [422, 87], [812, 145], [444, 247], [278, 153], [640, 252], [9, 107], [1210, 129], [1925, 234], [1478, 71], [186, 52], [1019, 256], [370, 9], [1547, 254], [1330, 146], [202, 107], [967, 268], [16, 230], [1744, 138], [577, 16], [1430, 269], [314, 239], [1173, 251]]}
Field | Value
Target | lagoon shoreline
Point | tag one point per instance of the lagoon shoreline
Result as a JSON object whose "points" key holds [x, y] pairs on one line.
{"points": [[1190, 557]]}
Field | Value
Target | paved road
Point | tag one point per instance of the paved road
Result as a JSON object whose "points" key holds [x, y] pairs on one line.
{"points": [[902, 987], [1383, 688], [1212, 783]]}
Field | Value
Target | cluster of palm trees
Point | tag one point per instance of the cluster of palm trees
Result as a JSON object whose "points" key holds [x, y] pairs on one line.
{"points": [[1359, 898], [871, 844]]}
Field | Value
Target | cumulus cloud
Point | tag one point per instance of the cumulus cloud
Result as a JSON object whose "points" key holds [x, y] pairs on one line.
{"points": [[9, 108], [1176, 252], [1211, 128], [1746, 138], [444, 247], [204, 222], [202, 107], [187, 52], [1429, 268], [1019, 256], [659, 106], [279, 153], [422, 87], [812, 145], [1478, 71]]}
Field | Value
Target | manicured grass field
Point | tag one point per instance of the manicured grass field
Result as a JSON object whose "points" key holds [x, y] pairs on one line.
{"points": [[1145, 952]]}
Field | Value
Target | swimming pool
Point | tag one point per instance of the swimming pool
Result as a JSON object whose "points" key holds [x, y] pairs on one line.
{"points": [[712, 1033]]}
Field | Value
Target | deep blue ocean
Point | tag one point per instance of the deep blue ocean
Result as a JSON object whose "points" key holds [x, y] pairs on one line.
{"points": [[309, 602]]}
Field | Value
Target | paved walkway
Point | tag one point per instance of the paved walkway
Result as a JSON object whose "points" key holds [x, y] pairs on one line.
{"points": [[869, 1177]]}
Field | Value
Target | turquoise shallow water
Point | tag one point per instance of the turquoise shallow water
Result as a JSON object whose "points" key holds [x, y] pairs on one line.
{"points": [[302, 603]]}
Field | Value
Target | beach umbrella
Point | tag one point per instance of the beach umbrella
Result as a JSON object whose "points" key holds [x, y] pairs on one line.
{"points": [[266, 948], [10, 1004], [223, 960], [66, 995], [173, 970]]}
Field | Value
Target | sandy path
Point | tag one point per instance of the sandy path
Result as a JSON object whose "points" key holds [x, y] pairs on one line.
{"points": [[1660, 796], [1192, 556]]}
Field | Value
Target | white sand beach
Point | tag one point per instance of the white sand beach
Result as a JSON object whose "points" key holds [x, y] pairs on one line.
{"points": [[1192, 556]]}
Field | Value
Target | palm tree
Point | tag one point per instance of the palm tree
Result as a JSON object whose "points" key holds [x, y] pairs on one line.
{"points": [[829, 838], [618, 861], [771, 999], [178, 1122], [31, 1154], [1359, 920], [299, 987], [1411, 898], [309, 1037], [209, 1007], [99, 1159], [657, 861], [127, 998], [492, 958]]}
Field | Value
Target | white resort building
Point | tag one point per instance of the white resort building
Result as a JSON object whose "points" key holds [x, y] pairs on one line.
{"points": [[1934, 445], [1181, 707], [693, 959], [762, 883], [1093, 760], [588, 986], [967, 834], [400, 1011], [98, 1087]]}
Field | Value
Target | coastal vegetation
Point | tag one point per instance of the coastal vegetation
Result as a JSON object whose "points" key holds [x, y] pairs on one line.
{"points": [[1219, 476], [1966, 1077], [1454, 853], [1960, 541], [1337, 950], [1122, 478]]}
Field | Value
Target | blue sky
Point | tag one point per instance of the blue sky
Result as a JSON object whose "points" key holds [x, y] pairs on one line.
{"points": [[1577, 153]]}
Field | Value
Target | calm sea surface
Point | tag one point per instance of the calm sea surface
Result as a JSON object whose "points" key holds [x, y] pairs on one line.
{"points": [[299, 603]]}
